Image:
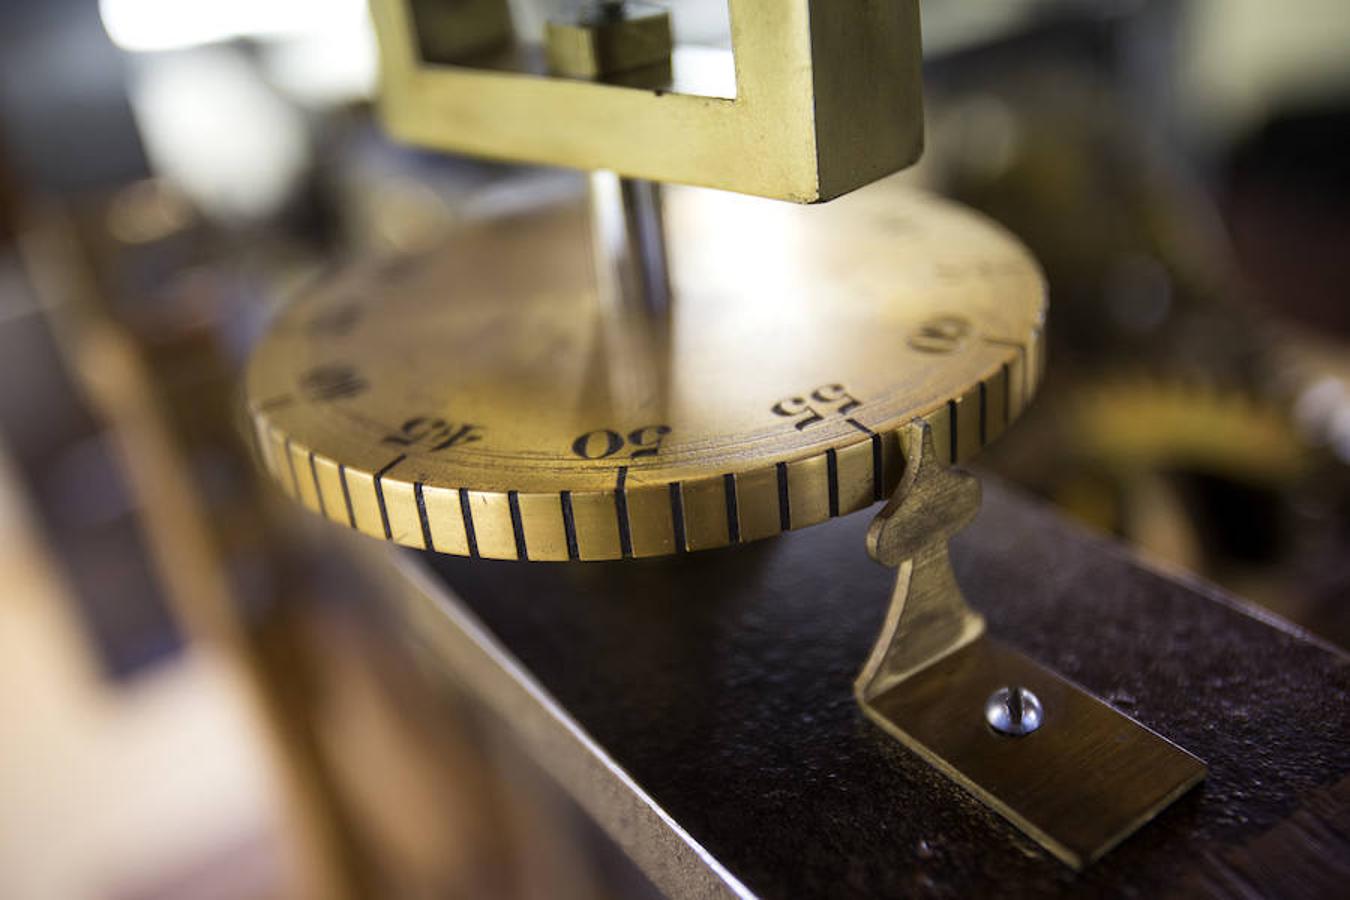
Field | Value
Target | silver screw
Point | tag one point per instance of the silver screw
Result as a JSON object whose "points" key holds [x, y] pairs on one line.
{"points": [[1013, 711]]}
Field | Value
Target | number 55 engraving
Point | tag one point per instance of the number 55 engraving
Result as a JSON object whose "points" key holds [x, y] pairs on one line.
{"points": [[824, 395]]}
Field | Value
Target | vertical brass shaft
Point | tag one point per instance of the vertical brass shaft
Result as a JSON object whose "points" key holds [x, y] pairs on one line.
{"points": [[629, 247], [628, 238]]}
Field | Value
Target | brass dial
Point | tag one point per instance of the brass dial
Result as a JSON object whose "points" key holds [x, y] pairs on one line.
{"points": [[474, 400]]}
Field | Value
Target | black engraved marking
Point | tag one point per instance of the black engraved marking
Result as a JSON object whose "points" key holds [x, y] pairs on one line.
{"points": [[517, 526], [334, 381], [951, 419], [276, 403], [858, 425], [832, 470], [290, 464], [621, 509], [784, 501], [733, 513], [384, 513], [984, 414], [318, 491], [677, 515], [379, 495], [467, 513], [878, 485], [569, 526], [1007, 375], [422, 514], [346, 495]]}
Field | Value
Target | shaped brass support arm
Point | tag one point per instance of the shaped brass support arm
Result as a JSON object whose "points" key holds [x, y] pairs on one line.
{"points": [[1065, 768], [928, 618]]}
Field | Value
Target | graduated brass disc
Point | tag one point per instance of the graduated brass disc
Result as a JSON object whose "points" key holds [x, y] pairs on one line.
{"points": [[475, 401]]}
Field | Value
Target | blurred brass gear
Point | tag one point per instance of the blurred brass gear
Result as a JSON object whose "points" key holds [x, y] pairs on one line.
{"points": [[1133, 423]]}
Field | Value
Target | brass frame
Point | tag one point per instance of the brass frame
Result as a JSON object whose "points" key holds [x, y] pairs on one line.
{"points": [[827, 100]]}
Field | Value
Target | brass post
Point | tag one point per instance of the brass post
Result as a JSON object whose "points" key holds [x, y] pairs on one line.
{"points": [[628, 239]]}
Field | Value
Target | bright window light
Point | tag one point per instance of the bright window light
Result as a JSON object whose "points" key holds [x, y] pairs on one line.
{"points": [[150, 25]]}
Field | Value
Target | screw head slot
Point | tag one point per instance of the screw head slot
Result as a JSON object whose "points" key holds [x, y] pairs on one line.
{"points": [[1014, 711]]}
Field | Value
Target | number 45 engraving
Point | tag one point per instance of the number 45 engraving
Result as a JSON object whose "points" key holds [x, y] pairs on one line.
{"points": [[823, 396], [433, 434]]}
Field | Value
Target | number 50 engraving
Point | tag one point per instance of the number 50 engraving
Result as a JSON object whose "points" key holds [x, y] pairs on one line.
{"points": [[605, 442]]}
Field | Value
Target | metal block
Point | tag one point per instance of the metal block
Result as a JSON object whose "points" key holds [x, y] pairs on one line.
{"points": [[1080, 783]]}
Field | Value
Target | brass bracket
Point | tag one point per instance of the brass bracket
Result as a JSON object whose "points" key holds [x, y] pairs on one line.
{"points": [[1083, 777]]}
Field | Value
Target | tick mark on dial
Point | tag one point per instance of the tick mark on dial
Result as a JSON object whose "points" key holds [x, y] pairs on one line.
{"points": [[379, 495], [832, 472], [469, 534], [878, 475], [318, 491], [517, 526], [858, 425], [621, 509], [346, 495], [569, 525], [677, 515], [389, 465], [733, 514], [951, 429], [422, 515]]}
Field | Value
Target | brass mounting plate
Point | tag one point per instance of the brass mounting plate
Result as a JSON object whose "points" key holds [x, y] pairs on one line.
{"points": [[1080, 784]]}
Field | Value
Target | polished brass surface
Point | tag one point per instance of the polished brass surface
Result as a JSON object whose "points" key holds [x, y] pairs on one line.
{"points": [[447, 404], [605, 38], [819, 104], [1132, 423], [1084, 780], [1087, 779], [632, 277], [460, 31]]}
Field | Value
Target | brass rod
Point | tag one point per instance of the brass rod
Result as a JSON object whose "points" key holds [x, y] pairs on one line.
{"points": [[629, 242]]}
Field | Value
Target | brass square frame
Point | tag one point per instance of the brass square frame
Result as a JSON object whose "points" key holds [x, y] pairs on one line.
{"points": [[827, 100]]}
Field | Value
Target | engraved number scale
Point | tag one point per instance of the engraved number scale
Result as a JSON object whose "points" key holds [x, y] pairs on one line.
{"points": [[492, 399]]}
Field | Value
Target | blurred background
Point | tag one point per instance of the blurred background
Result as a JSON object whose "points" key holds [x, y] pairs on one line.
{"points": [[199, 701]]}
